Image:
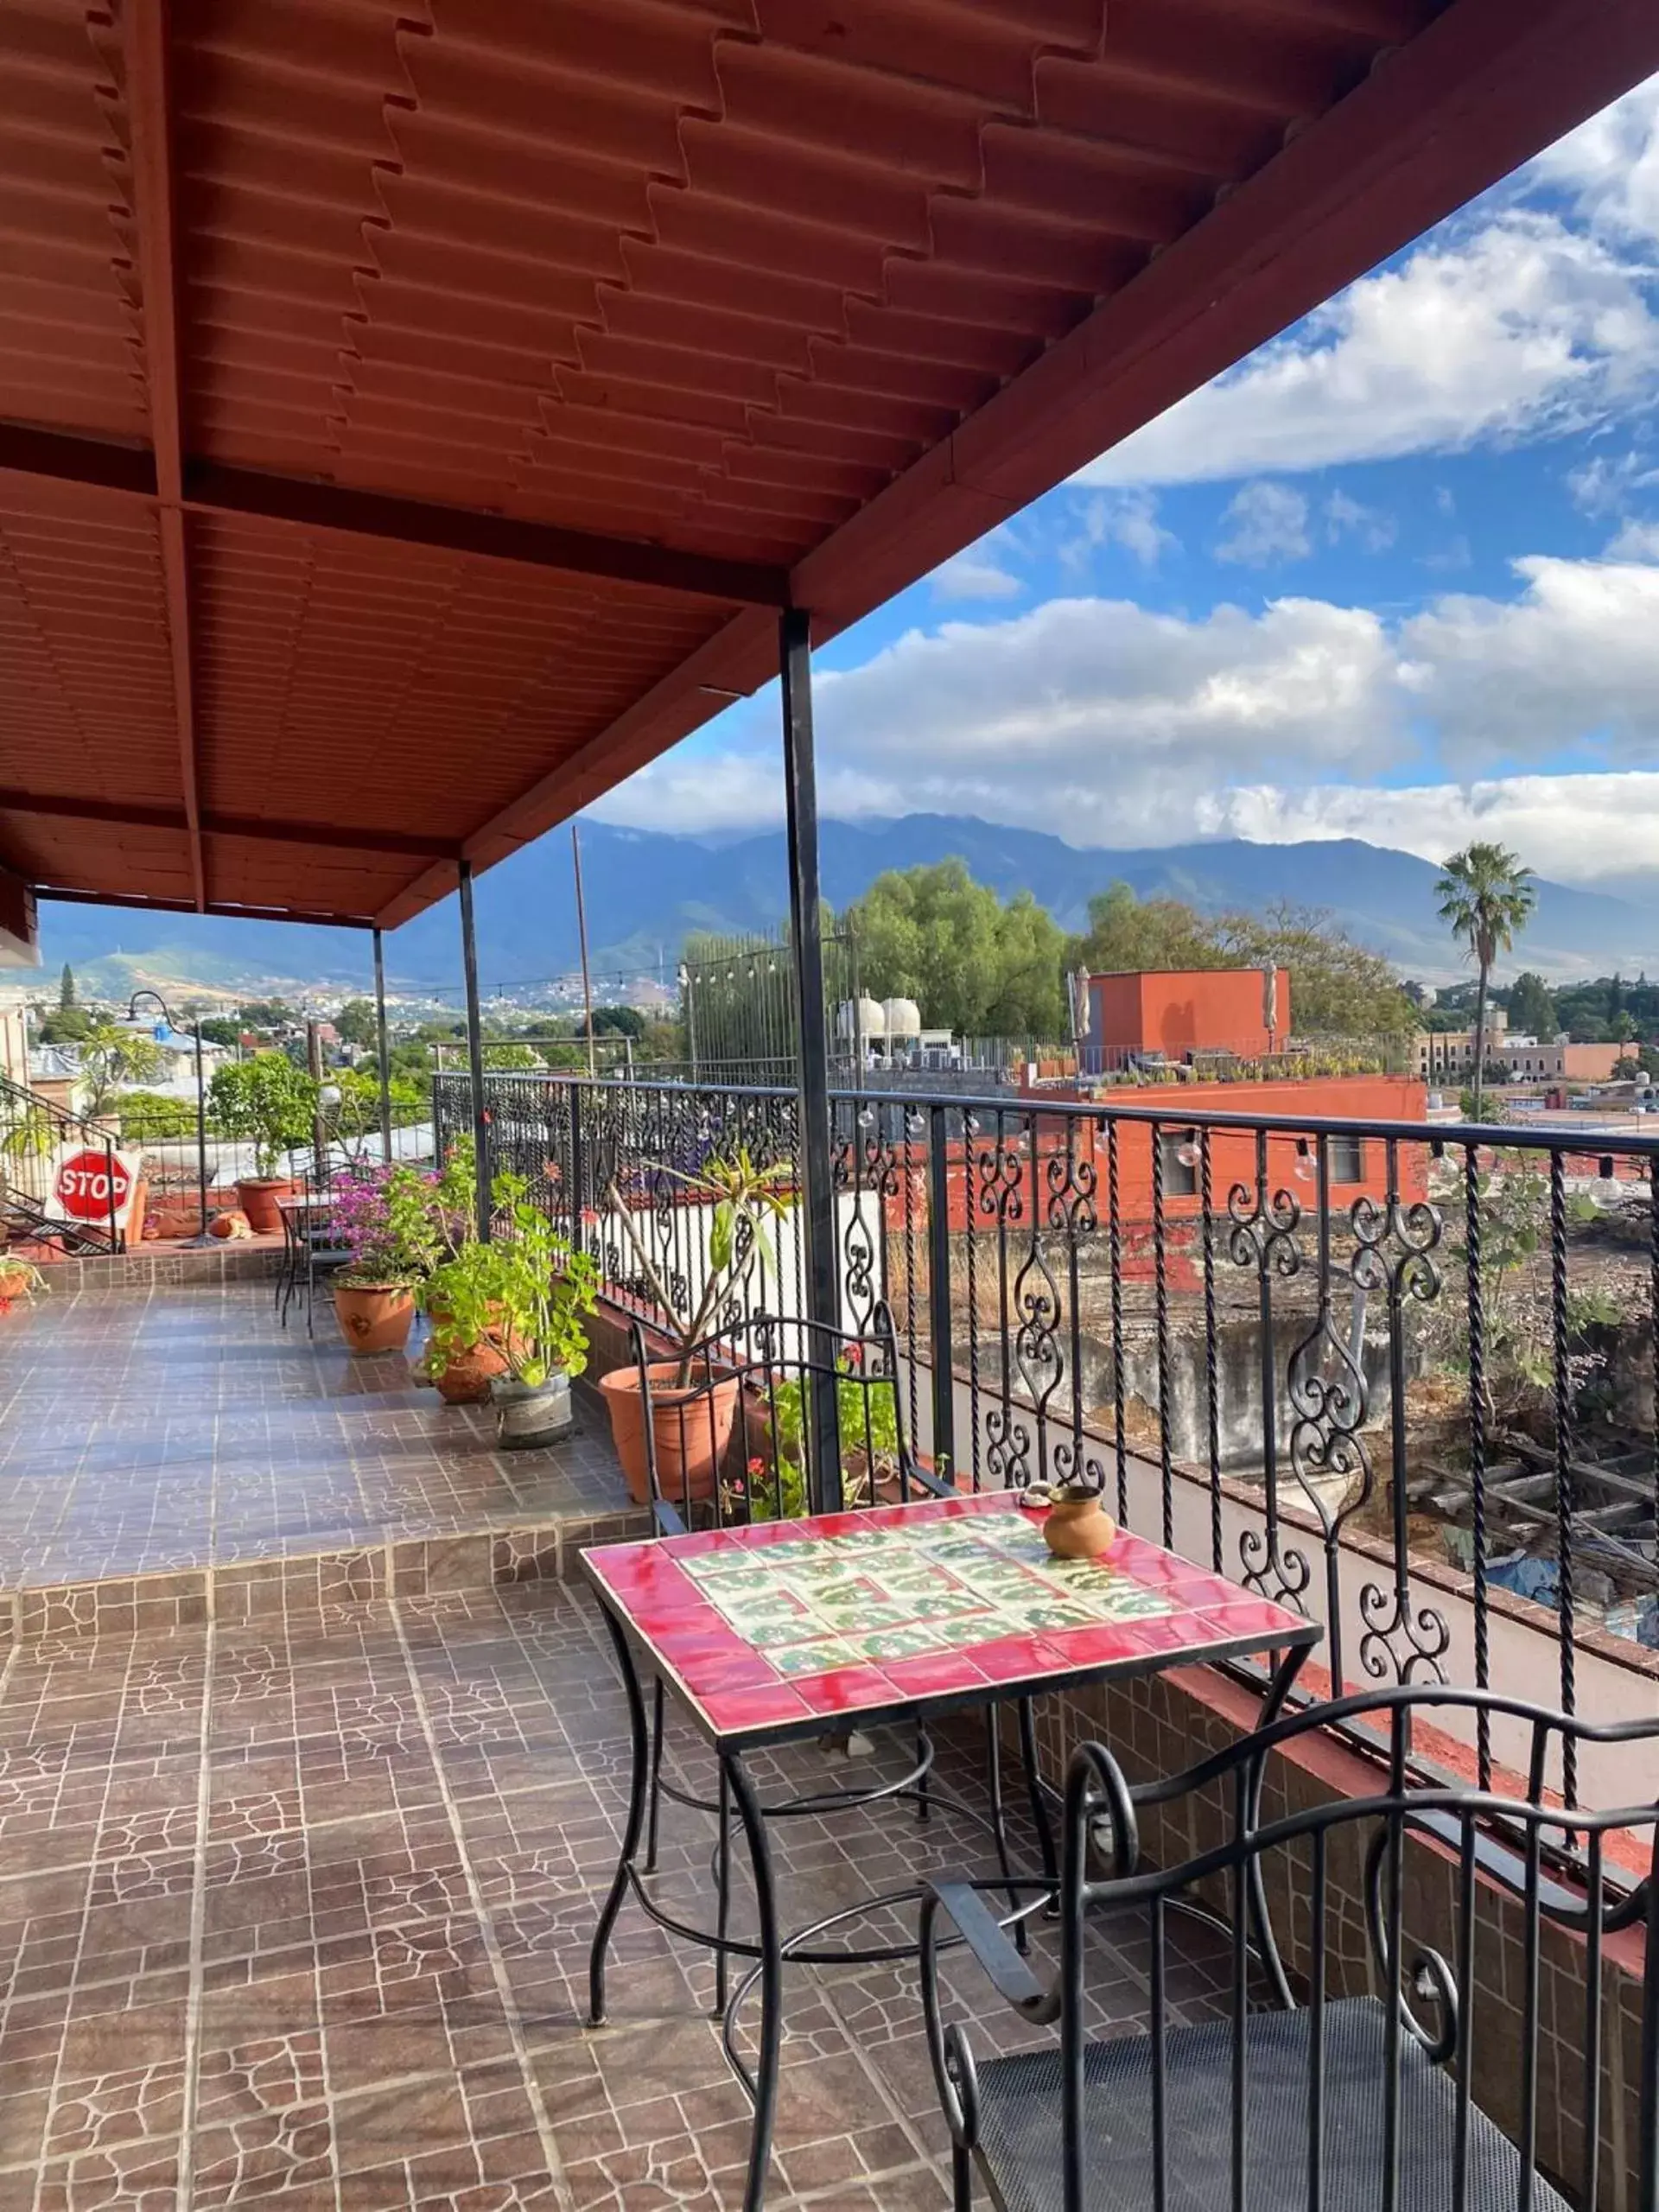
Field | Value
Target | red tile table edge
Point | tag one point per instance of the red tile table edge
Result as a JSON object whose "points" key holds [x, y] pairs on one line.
{"points": [[786, 1715]]}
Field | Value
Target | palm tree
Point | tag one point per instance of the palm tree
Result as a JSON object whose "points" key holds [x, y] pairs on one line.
{"points": [[1487, 898]]}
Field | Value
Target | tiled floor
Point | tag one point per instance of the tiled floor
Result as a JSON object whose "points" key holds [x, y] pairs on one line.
{"points": [[295, 1900], [309, 1924], [143, 1432]]}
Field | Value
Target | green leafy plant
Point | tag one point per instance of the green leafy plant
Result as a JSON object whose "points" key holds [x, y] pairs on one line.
{"points": [[18, 1279], [866, 1423], [111, 1055], [743, 1199], [268, 1102], [525, 1291]]}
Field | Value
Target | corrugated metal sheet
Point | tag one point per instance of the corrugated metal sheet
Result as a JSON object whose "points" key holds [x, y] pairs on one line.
{"points": [[728, 276]]}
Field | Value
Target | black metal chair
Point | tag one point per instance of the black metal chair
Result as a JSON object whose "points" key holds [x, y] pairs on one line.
{"points": [[769, 1400], [311, 1247], [1324, 2094]]}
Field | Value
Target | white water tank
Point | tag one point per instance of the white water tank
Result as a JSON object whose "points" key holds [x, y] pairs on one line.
{"points": [[860, 1018], [903, 1018]]}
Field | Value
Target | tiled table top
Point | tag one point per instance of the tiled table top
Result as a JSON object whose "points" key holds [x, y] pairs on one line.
{"points": [[775, 1631]]}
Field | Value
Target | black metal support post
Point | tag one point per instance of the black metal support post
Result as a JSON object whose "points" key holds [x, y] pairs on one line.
{"points": [[938, 1293], [201, 1141], [806, 941], [382, 1045], [475, 1047]]}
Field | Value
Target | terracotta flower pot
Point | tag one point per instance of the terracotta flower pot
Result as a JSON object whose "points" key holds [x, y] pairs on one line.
{"points": [[1077, 1528], [465, 1381], [690, 1426], [257, 1195], [374, 1317]]}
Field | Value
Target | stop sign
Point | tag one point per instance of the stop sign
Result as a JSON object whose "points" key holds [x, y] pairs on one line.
{"points": [[93, 1185]]}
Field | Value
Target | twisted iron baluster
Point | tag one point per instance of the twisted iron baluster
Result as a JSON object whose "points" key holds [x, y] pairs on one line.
{"points": [[1007, 1441], [1262, 1235], [1211, 1376], [1071, 1210], [1116, 1219], [970, 1131], [1161, 1274], [914, 1179], [1564, 1498], [1395, 1244], [1477, 1442]]}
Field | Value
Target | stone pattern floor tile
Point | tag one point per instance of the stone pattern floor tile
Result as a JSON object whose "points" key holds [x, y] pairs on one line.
{"points": [[305, 1923], [147, 1439]]}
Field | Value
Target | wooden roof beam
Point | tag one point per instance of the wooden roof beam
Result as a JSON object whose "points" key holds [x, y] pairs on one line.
{"points": [[261, 828], [207, 488], [149, 110]]}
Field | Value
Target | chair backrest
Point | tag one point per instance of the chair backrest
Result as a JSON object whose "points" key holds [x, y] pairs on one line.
{"points": [[772, 1416], [1475, 1912]]}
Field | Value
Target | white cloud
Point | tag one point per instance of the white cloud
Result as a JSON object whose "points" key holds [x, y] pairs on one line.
{"points": [[1522, 328], [1573, 660], [977, 572], [1636, 541], [1610, 165], [1349, 517], [1129, 519], [1117, 726], [1265, 523], [1576, 829]]}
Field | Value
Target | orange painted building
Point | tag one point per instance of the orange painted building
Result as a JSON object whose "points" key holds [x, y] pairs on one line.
{"points": [[1173, 1011], [986, 1189]]}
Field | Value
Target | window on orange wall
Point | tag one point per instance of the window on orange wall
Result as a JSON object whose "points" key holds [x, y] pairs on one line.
{"points": [[1347, 1159], [1179, 1153]]}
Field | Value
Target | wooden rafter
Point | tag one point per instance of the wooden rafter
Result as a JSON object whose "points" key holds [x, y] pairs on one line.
{"points": [[146, 59]]}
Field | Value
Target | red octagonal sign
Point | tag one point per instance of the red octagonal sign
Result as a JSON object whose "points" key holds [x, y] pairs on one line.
{"points": [[93, 1184]]}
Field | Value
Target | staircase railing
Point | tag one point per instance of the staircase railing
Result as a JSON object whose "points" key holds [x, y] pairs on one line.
{"points": [[36, 1138]]}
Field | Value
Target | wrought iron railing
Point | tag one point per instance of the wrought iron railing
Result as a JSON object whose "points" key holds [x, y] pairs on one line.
{"points": [[1397, 1373]]}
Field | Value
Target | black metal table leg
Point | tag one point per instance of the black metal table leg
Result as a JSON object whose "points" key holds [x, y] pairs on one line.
{"points": [[637, 1793], [736, 1783]]}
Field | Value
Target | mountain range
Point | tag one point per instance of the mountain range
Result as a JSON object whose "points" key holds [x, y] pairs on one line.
{"points": [[646, 889]]}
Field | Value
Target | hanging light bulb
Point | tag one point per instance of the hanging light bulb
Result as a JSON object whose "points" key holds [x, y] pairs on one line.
{"points": [[1304, 1169], [1187, 1151]]}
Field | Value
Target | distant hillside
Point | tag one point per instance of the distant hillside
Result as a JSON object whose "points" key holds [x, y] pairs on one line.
{"points": [[646, 890]]}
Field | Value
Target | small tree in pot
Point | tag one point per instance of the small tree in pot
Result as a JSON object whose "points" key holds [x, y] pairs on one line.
{"points": [[269, 1103], [742, 1200], [522, 1296]]}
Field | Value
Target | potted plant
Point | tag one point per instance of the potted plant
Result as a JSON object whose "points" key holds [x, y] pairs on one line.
{"points": [[460, 1357], [271, 1104], [742, 1200], [384, 1216], [522, 1298], [18, 1279]]}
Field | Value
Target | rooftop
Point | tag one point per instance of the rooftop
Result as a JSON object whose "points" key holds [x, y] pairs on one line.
{"points": [[483, 382]]}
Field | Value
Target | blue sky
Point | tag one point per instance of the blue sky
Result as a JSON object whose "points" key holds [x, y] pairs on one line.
{"points": [[1397, 576]]}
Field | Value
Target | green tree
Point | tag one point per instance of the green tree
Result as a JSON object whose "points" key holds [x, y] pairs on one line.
{"points": [[972, 964], [64, 1026], [1337, 989], [221, 1029], [266, 1102], [265, 1014], [1532, 1007], [66, 987], [1130, 936], [356, 1023], [1486, 899], [111, 1055]]}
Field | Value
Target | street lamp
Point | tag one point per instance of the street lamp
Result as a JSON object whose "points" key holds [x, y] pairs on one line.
{"points": [[202, 1235]]}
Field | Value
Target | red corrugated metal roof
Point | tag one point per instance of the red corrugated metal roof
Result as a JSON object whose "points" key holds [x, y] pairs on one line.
{"points": [[662, 310]]}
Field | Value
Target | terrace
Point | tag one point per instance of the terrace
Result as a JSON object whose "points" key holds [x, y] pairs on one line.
{"points": [[502, 405]]}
